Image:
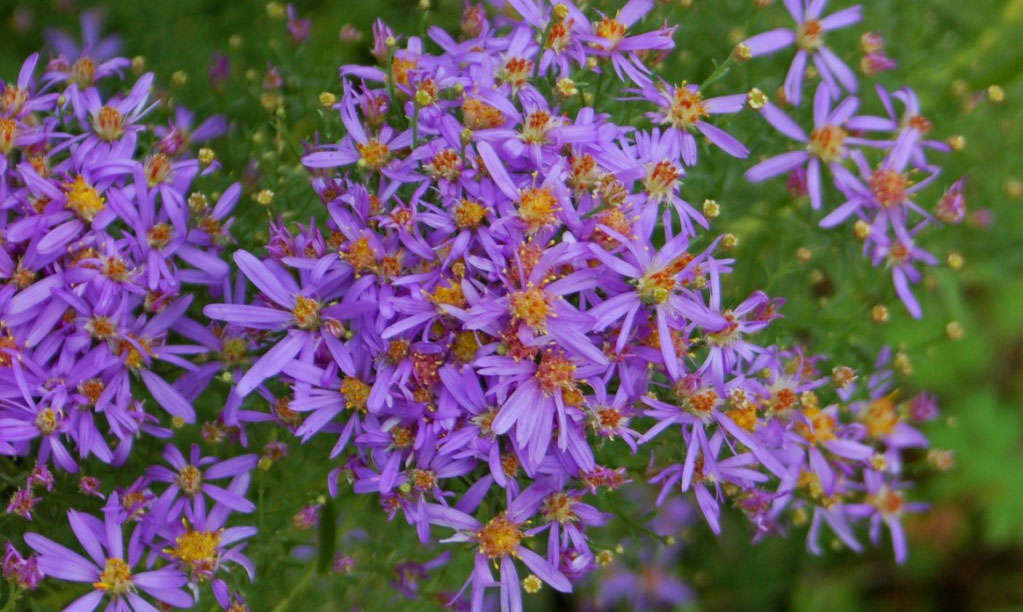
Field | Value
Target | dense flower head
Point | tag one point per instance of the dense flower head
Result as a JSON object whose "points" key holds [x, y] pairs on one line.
{"points": [[503, 316], [508, 276], [105, 242]]}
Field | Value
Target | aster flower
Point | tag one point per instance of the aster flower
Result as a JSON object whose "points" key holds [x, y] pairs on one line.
{"points": [[499, 541], [108, 569], [808, 36]]}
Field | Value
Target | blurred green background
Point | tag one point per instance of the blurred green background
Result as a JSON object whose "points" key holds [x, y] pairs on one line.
{"points": [[967, 553]]}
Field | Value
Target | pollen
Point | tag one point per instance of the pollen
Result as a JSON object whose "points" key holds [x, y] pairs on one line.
{"points": [[374, 154], [469, 214], [558, 507], [687, 107], [888, 501], [656, 287], [159, 235], [101, 328], [109, 124], [826, 142], [809, 35], [115, 269], [515, 71], [83, 199], [889, 187], [538, 208], [819, 426], [611, 30], [116, 576], [555, 372], [360, 255], [559, 36], [661, 179], [46, 421], [446, 164], [190, 479], [401, 68], [196, 549], [356, 393], [609, 419], [402, 437], [8, 132], [306, 312], [880, 417], [702, 404], [500, 537], [83, 72], [158, 169], [465, 346], [478, 115], [12, 99], [92, 389], [536, 126], [451, 295], [424, 480], [530, 306]]}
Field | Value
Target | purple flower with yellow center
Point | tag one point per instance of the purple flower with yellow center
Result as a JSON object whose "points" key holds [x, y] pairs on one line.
{"points": [[300, 311], [683, 108], [808, 36], [827, 143], [900, 254], [500, 543], [107, 568], [190, 478], [885, 192], [610, 37], [114, 122], [885, 505]]}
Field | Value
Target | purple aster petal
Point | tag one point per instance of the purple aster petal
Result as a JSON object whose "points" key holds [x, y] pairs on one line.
{"points": [[776, 165], [770, 41]]}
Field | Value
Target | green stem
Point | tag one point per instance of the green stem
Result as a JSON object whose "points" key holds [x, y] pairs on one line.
{"points": [[296, 590], [719, 72]]}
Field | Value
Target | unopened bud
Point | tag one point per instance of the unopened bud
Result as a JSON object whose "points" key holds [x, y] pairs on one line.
{"points": [[742, 52], [879, 313], [560, 12], [957, 142], [206, 156], [711, 209], [996, 94], [954, 260], [861, 229], [729, 241], [138, 64], [179, 78], [327, 99], [954, 330], [804, 254], [265, 197], [275, 10]]}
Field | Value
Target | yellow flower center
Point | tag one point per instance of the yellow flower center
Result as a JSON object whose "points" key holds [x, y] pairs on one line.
{"points": [[499, 537], [306, 312], [8, 132], [83, 199], [83, 72], [611, 30], [530, 306], [469, 214], [116, 577], [109, 124], [826, 142], [197, 549], [190, 479], [889, 187], [356, 393], [555, 371], [809, 35], [687, 107], [374, 154], [46, 421], [538, 208]]}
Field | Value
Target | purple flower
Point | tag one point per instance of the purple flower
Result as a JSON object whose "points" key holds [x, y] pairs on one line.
{"points": [[808, 36], [107, 568]]}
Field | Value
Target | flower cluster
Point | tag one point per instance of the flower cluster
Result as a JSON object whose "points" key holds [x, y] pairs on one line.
{"points": [[878, 164], [103, 247], [510, 291]]}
